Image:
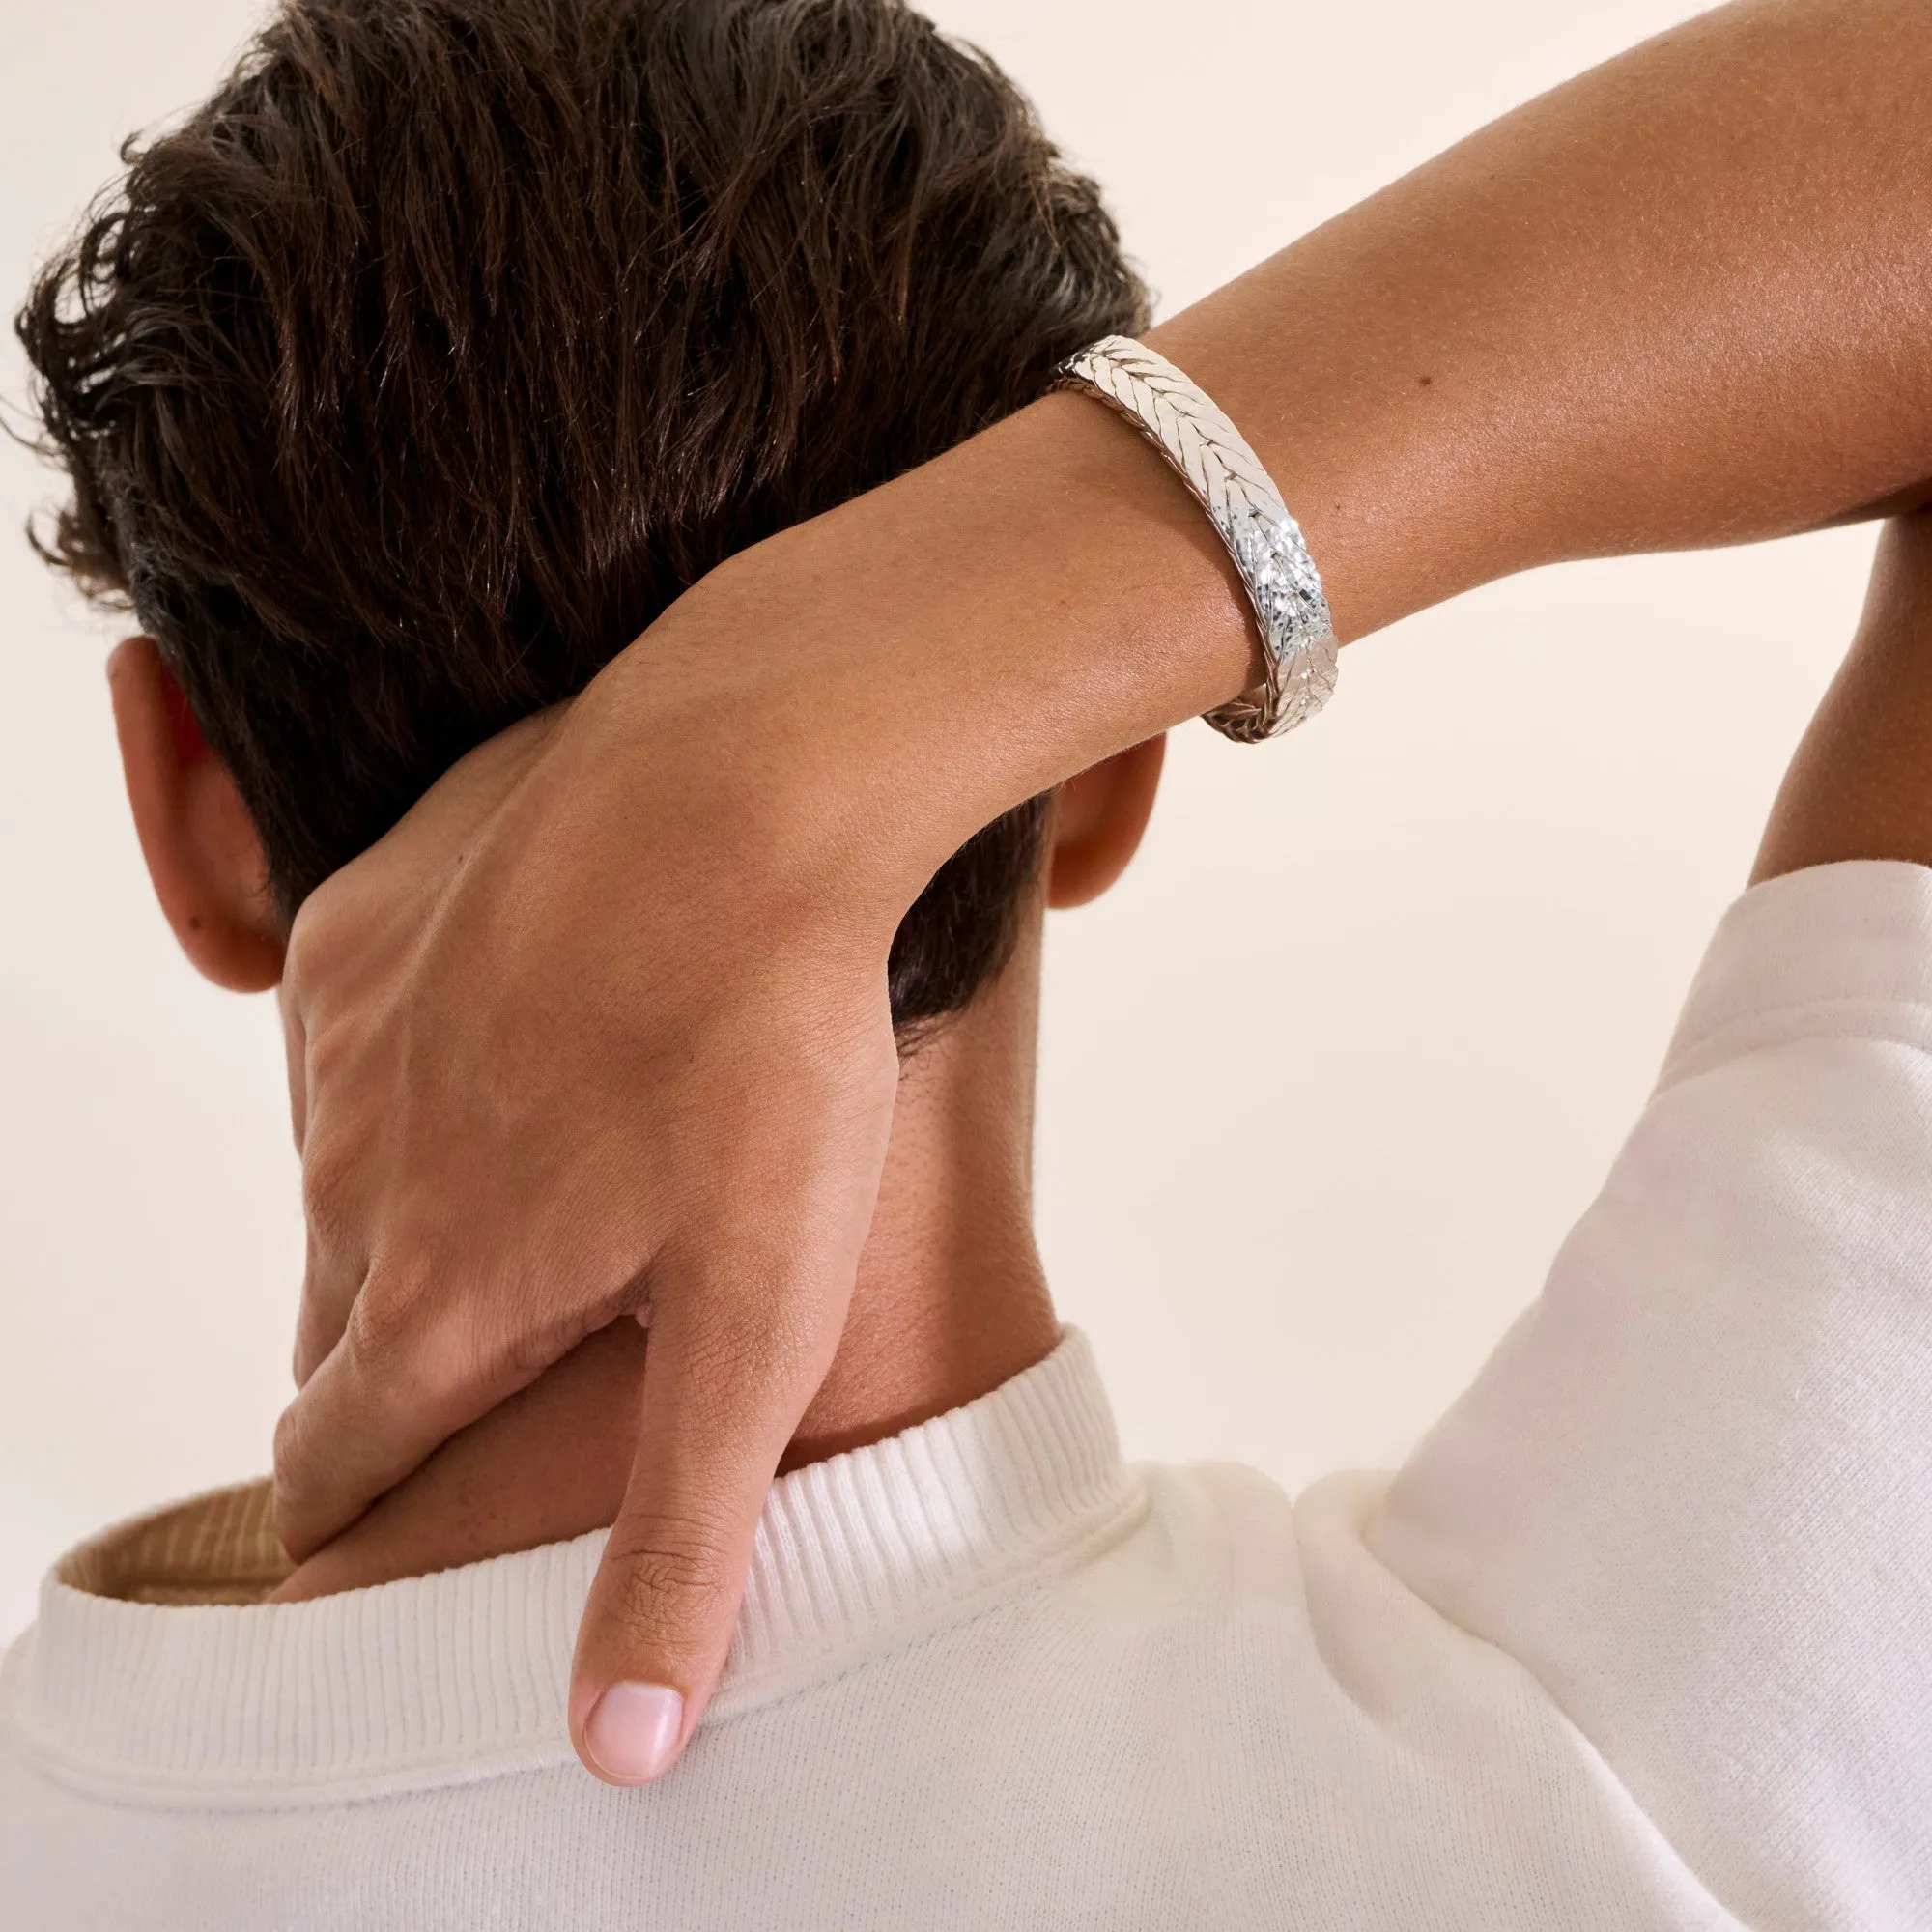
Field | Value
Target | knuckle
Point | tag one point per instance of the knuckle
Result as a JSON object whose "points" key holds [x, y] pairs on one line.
{"points": [[328, 1289], [294, 1498], [329, 1163], [324, 1314], [667, 1577], [384, 1320], [329, 1056], [290, 1439], [420, 1351]]}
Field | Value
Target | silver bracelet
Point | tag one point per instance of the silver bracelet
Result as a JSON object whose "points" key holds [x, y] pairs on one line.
{"points": [[1210, 455]]}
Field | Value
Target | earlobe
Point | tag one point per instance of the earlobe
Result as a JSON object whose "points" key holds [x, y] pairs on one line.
{"points": [[203, 853], [1098, 818]]}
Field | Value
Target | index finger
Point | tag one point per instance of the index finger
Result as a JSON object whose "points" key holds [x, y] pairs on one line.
{"points": [[734, 1361]]}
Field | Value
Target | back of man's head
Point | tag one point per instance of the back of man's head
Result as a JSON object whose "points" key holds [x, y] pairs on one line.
{"points": [[405, 382]]}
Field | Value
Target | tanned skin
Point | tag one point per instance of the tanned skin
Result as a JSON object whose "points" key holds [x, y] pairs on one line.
{"points": [[949, 1299], [1685, 300]]}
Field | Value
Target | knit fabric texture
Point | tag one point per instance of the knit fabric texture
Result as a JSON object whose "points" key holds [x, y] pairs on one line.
{"points": [[1639, 1637]]}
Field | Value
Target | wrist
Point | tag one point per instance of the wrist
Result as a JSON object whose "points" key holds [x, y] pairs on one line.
{"points": [[930, 654]]}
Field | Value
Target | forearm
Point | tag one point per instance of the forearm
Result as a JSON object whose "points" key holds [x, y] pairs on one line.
{"points": [[1684, 299], [1860, 784]]}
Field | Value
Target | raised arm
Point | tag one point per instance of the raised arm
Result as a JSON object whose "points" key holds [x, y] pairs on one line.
{"points": [[1861, 787], [1686, 1493], [619, 1031]]}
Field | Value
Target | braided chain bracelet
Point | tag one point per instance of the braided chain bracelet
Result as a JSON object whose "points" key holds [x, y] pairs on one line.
{"points": [[1210, 455]]}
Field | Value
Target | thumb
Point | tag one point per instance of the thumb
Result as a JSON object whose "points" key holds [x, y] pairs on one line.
{"points": [[724, 1394]]}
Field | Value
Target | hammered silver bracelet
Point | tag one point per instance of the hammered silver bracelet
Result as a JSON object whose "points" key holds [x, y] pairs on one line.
{"points": [[1210, 455]]}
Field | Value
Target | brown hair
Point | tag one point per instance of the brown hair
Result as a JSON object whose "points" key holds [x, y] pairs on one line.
{"points": [[409, 377]]}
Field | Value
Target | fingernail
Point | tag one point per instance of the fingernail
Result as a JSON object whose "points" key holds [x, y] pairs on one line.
{"points": [[632, 1731]]}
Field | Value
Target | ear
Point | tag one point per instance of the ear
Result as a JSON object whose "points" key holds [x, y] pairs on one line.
{"points": [[203, 853], [1098, 817]]}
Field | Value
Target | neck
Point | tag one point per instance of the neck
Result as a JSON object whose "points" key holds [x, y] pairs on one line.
{"points": [[950, 1302]]}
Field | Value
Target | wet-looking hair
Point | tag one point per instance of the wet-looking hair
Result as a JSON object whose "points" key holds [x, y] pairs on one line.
{"points": [[409, 379]]}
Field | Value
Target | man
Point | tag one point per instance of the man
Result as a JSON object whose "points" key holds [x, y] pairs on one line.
{"points": [[338, 427], [821, 245]]}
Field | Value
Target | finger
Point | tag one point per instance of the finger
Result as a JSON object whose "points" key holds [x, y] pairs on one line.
{"points": [[410, 1369], [331, 1280], [337, 1262], [727, 1379], [295, 1051]]}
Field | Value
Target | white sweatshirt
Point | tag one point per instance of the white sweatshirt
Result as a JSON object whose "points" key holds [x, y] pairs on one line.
{"points": [[1640, 1637]]}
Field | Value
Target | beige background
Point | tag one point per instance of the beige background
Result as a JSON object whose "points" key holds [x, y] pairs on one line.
{"points": [[1325, 1081]]}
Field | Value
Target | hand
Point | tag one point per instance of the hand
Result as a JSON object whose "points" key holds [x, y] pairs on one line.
{"points": [[666, 1096], [601, 1029]]}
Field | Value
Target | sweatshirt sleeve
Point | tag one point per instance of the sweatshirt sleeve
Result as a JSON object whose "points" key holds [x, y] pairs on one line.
{"points": [[1692, 1492]]}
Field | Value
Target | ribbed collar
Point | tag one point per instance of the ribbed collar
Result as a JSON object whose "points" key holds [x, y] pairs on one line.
{"points": [[462, 1674]]}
